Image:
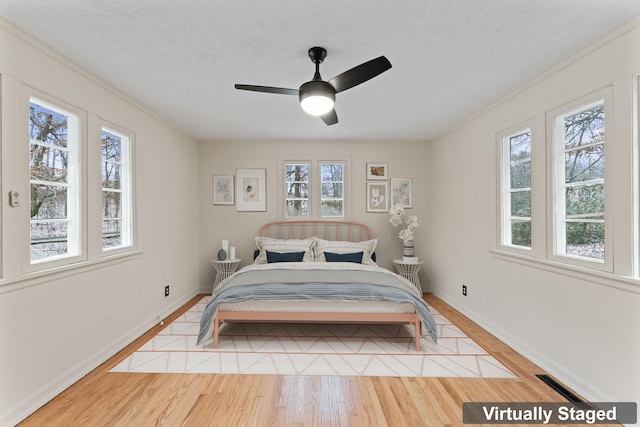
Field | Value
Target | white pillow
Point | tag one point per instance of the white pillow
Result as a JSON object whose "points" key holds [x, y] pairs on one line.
{"points": [[289, 245], [367, 247]]}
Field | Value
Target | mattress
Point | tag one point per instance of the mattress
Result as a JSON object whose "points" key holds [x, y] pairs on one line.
{"points": [[319, 306]]}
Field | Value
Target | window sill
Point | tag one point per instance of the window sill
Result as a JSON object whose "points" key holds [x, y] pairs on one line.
{"points": [[624, 283], [11, 284]]}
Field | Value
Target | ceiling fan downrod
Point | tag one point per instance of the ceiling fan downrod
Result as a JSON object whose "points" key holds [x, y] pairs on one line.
{"points": [[317, 55]]}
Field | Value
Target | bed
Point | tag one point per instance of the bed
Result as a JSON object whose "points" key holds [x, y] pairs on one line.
{"points": [[316, 271]]}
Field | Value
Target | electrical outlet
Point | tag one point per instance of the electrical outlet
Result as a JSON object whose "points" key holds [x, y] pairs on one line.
{"points": [[166, 291], [464, 290]]}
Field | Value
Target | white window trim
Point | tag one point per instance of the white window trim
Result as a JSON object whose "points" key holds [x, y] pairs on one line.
{"points": [[283, 186], [625, 202], [587, 274], [320, 182], [555, 172], [19, 272], [504, 189], [128, 211], [315, 189], [77, 237], [635, 263], [25, 280]]}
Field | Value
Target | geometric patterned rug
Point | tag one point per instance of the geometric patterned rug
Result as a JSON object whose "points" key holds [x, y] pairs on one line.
{"points": [[313, 349]]}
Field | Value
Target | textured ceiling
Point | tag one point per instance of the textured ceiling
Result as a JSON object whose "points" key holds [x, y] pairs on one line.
{"points": [[451, 58]]}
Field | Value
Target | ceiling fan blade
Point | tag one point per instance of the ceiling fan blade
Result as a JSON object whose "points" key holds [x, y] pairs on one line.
{"points": [[331, 118], [268, 89], [360, 74]]}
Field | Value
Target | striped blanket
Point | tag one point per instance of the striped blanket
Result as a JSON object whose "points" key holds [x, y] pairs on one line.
{"points": [[316, 281]]}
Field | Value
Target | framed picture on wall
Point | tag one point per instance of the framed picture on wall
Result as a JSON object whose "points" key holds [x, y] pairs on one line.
{"points": [[377, 171], [251, 191], [223, 191], [378, 196], [401, 192]]}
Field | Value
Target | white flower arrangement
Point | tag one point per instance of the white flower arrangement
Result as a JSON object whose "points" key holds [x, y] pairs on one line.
{"points": [[408, 223]]}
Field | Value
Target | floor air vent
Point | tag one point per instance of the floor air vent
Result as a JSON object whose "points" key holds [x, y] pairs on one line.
{"points": [[570, 396]]}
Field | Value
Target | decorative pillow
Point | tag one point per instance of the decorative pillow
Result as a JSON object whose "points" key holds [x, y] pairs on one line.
{"points": [[283, 246], [284, 256], [349, 257], [337, 247]]}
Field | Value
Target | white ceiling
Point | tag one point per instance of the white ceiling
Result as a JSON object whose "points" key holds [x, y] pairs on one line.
{"points": [[451, 58]]}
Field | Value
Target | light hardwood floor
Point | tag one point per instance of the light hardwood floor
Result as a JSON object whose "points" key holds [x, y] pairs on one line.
{"points": [[105, 398]]}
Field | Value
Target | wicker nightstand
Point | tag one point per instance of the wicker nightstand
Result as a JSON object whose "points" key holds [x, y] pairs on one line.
{"points": [[409, 270], [224, 269]]}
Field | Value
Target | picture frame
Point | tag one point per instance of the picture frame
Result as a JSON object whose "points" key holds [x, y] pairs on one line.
{"points": [[378, 196], [223, 190], [377, 171], [401, 192], [251, 190]]}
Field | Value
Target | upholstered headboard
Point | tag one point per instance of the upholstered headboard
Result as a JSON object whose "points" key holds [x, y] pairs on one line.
{"points": [[325, 229]]}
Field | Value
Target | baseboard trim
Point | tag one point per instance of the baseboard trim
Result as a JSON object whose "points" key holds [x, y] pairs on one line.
{"points": [[563, 373], [47, 392]]}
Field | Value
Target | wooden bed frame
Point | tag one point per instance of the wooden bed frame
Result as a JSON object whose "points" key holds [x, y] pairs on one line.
{"points": [[328, 230]]}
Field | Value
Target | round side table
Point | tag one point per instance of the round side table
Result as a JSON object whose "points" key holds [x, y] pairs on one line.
{"points": [[224, 269], [409, 270]]}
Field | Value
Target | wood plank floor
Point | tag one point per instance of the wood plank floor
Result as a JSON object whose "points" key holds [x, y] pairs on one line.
{"points": [[104, 398]]}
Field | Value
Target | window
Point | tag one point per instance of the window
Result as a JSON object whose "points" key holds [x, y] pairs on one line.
{"points": [[516, 189], [579, 166], [584, 188], [80, 186], [296, 183], [54, 171], [116, 189], [315, 188], [552, 186], [332, 182]]}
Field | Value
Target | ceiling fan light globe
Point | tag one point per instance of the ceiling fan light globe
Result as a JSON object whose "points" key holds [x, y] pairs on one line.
{"points": [[317, 97], [317, 104]]}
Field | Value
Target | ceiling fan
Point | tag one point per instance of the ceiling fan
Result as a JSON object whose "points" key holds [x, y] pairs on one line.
{"points": [[317, 96]]}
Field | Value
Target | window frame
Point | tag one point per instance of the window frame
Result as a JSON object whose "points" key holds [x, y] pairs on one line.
{"points": [[284, 188], [635, 261], [322, 199], [77, 236], [556, 185], [126, 189], [621, 269], [315, 185], [89, 203], [505, 189]]}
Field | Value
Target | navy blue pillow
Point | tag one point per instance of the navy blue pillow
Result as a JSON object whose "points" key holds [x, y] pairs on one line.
{"points": [[284, 256], [351, 257]]}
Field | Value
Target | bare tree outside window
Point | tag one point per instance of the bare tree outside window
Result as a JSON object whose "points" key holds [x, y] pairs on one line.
{"points": [[518, 195], [111, 189], [297, 190], [51, 207], [332, 182], [583, 182]]}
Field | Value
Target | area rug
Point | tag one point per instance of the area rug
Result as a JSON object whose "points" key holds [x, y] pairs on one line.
{"points": [[313, 349]]}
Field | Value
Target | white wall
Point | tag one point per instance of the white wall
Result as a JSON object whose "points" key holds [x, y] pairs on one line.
{"points": [[407, 159], [55, 329], [582, 330]]}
